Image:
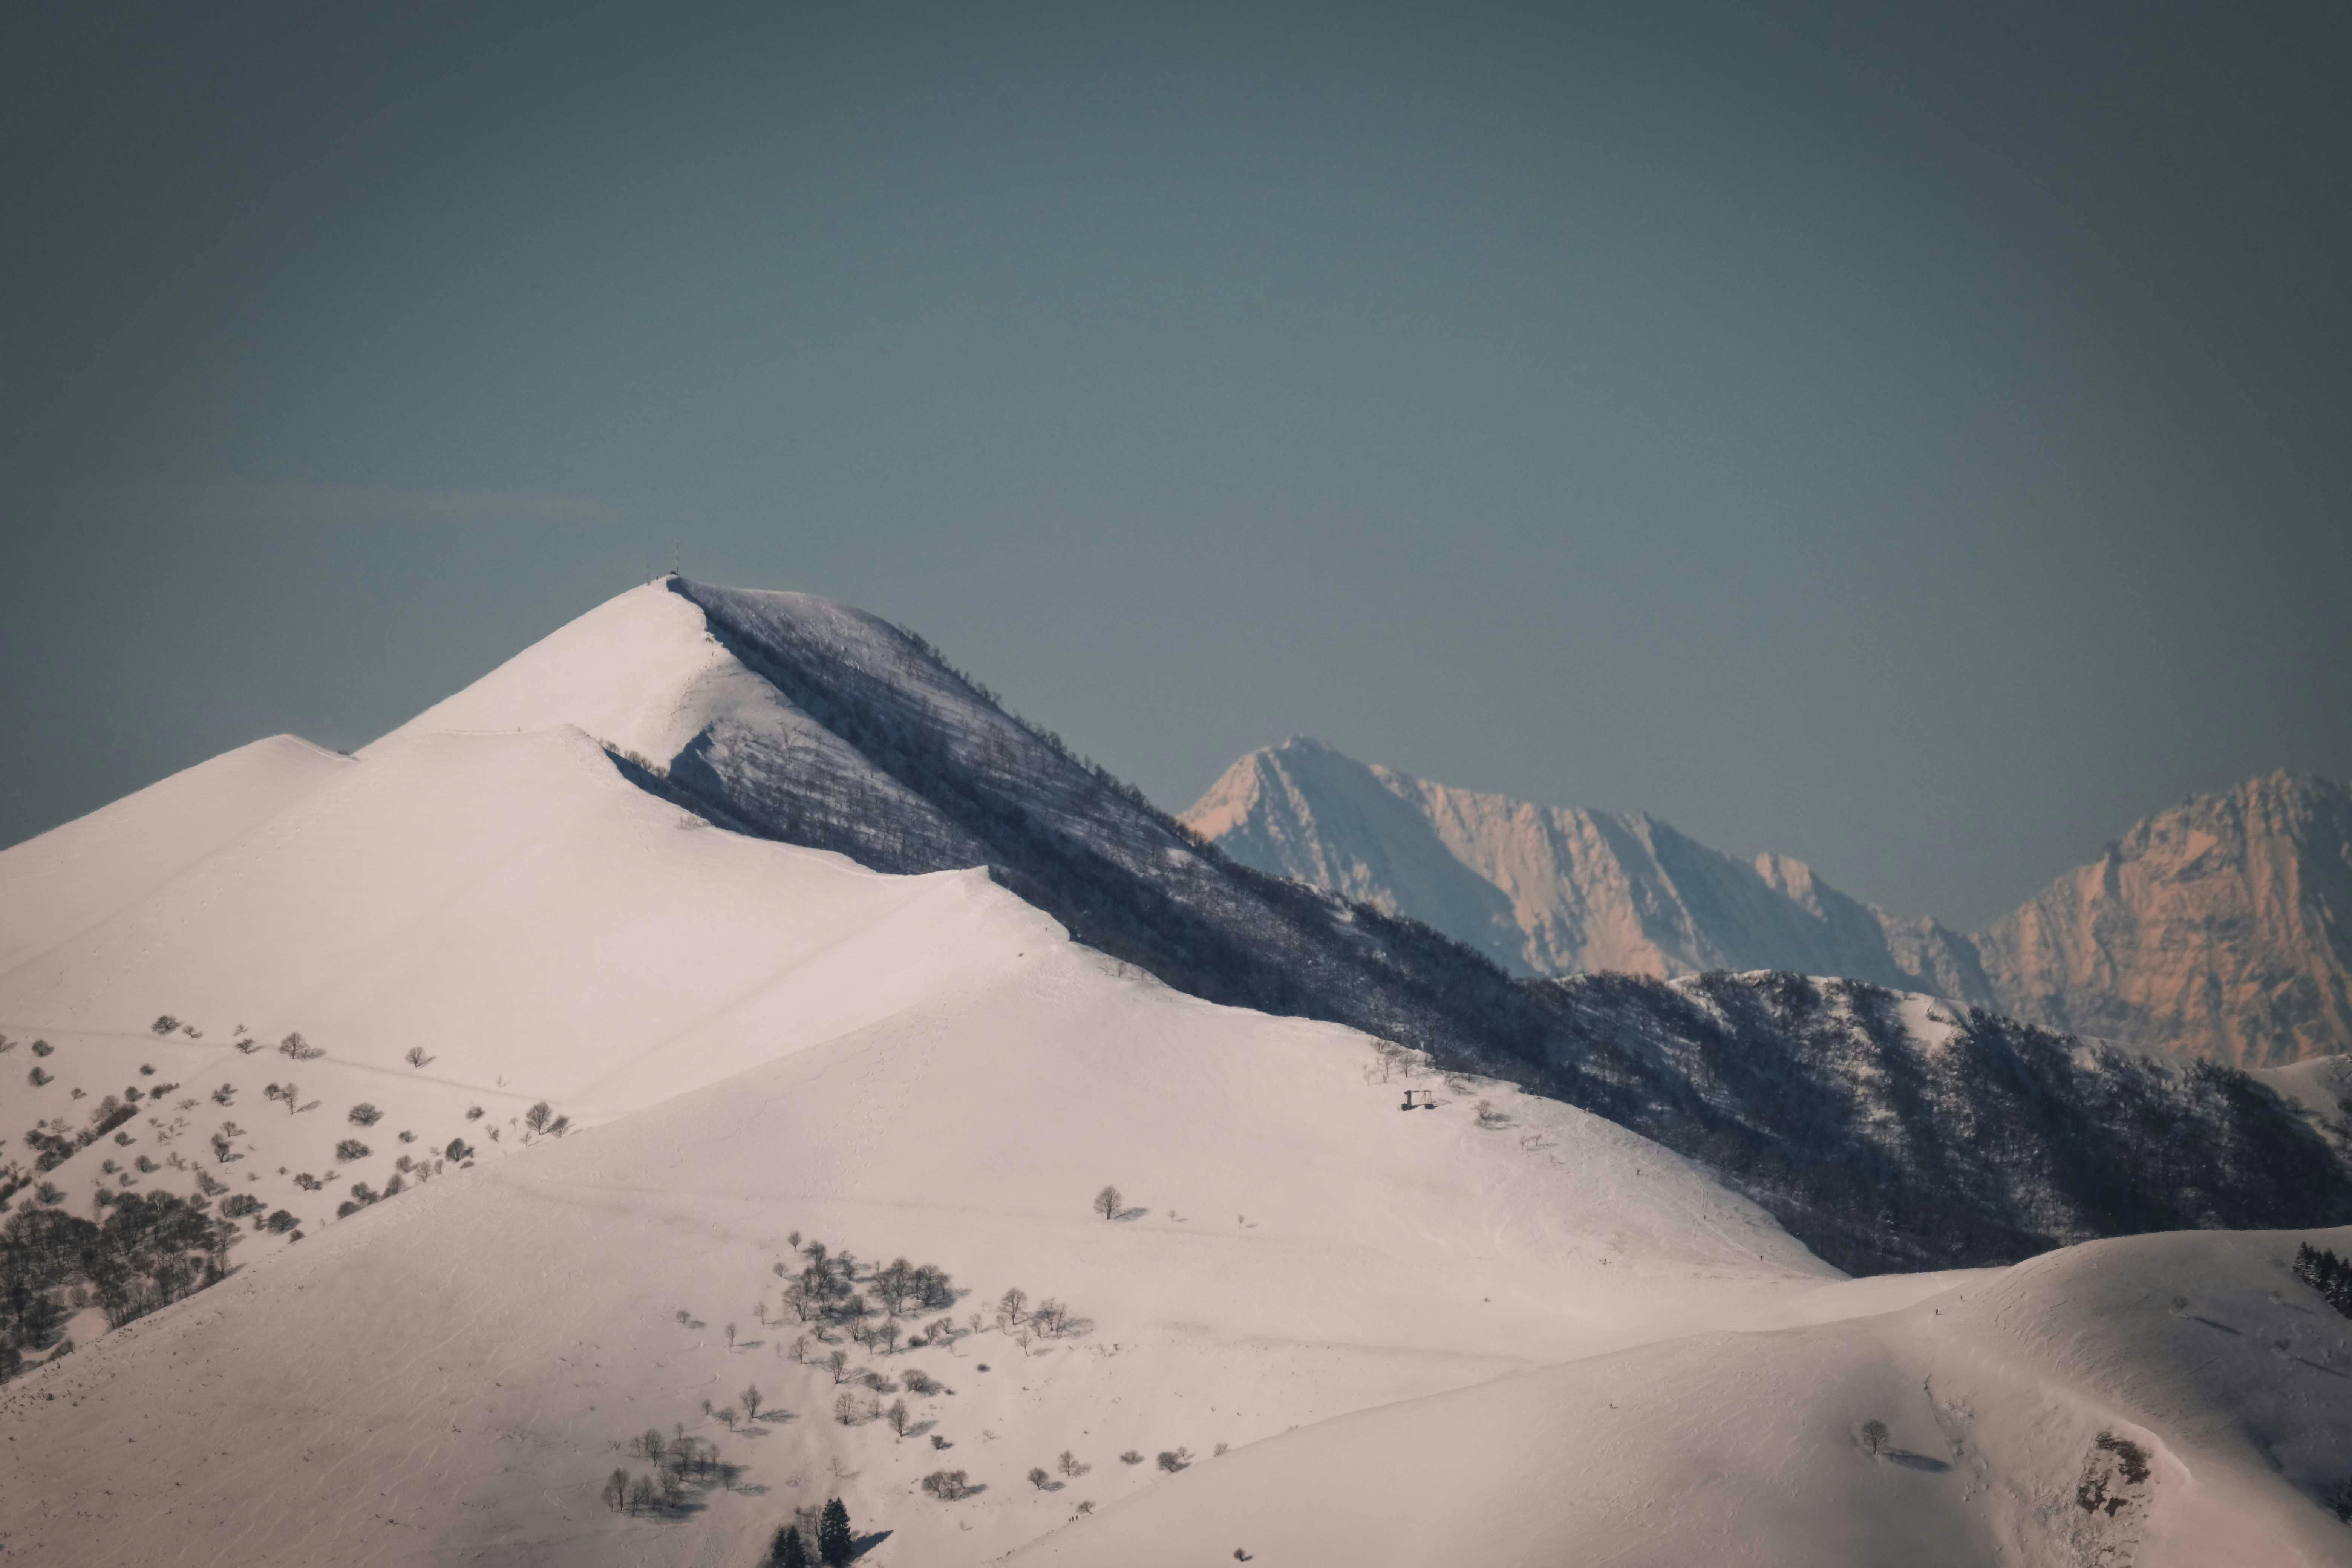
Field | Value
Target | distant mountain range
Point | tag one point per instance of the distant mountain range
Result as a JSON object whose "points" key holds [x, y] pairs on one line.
{"points": [[2220, 929]]}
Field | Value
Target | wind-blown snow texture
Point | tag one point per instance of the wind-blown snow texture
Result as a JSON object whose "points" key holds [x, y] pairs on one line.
{"points": [[2215, 930]]}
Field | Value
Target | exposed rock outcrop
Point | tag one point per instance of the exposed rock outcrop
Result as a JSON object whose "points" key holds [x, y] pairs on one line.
{"points": [[2221, 928], [2217, 928]]}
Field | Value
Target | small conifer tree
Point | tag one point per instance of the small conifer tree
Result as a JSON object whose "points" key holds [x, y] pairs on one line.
{"points": [[790, 1551], [834, 1544]]}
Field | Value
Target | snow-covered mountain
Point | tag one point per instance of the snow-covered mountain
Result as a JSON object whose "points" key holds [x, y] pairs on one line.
{"points": [[2213, 930], [786, 717], [627, 1056], [805, 720], [1543, 891]]}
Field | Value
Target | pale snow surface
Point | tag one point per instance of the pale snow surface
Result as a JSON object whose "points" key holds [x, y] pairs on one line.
{"points": [[1526, 1337]]}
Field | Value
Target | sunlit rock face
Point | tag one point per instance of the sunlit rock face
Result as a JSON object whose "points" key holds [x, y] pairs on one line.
{"points": [[2221, 928], [2216, 929]]}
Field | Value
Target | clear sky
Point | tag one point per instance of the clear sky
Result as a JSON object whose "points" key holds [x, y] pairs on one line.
{"points": [[1913, 438]]}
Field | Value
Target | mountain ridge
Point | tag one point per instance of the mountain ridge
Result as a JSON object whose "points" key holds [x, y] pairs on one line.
{"points": [[2148, 944], [566, 884], [791, 717]]}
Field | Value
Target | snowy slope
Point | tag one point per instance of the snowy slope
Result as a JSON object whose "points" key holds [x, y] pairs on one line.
{"points": [[815, 723], [506, 903], [515, 906], [54, 886], [757, 1042], [448, 890], [2201, 1352], [1303, 1249]]}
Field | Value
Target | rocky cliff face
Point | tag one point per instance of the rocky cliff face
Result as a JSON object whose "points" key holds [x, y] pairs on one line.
{"points": [[2219, 929], [1551, 890]]}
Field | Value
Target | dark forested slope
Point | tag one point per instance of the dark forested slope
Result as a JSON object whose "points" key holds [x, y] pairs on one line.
{"points": [[1883, 1139]]}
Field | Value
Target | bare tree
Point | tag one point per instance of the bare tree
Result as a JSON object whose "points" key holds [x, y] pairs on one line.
{"points": [[751, 1402], [948, 1485], [844, 1409], [837, 1363], [1009, 1308], [1874, 1437], [1174, 1460], [1038, 1478], [1069, 1465], [898, 1417], [416, 1057], [894, 1282], [1109, 1204]]}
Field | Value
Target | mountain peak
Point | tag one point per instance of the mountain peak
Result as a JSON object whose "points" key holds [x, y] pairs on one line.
{"points": [[2212, 927], [1542, 889], [2221, 926]]}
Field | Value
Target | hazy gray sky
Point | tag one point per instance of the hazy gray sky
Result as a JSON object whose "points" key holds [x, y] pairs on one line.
{"points": [[1909, 439]]}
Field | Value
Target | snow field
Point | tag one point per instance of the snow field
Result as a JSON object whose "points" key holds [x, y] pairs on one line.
{"points": [[1526, 1337], [1749, 1449], [494, 1334]]}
